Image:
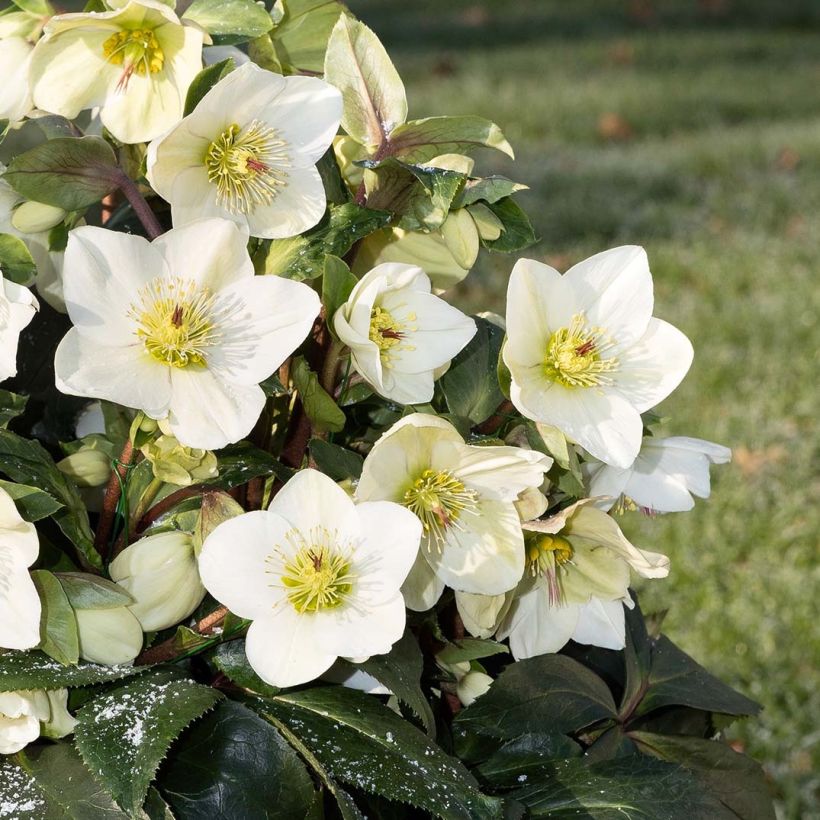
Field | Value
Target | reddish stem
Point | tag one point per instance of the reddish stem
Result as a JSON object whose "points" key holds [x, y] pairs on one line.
{"points": [[112, 498]]}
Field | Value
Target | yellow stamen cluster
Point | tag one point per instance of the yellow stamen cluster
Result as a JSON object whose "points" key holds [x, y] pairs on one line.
{"points": [[247, 166], [573, 356], [137, 50], [176, 321], [388, 334], [439, 500], [547, 555], [624, 504], [318, 575]]}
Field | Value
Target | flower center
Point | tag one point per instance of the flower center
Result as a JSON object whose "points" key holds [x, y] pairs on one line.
{"points": [[137, 51], [573, 356], [387, 333], [438, 498], [547, 555], [247, 166], [318, 575], [176, 321]]}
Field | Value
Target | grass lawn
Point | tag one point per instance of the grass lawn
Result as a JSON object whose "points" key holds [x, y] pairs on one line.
{"points": [[694, 131]]}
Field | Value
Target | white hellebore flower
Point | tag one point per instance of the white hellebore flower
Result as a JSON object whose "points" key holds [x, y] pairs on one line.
{"points": [[463, 495], [27, 713], [398, 333], [248, 153], [663, 478], [19, 601], [586, 355], [15, 93], [160, 572], [135, 63], [178, 326], [577, 583], [17, 309], [319, 576]]}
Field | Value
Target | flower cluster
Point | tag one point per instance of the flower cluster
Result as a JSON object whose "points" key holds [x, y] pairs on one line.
{"points": [[292, 454]]}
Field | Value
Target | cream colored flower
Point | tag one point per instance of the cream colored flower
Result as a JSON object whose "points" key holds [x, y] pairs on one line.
{"points": [[178, 327], [248, 153], [15, 93], [135, 63], [398, 333], [464, 495], [586, 355]]}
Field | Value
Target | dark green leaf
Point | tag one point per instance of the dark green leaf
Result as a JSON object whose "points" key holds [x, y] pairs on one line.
{"points": [[232, 764], [337, 283], [336, 190], [737, 781], [470, 385], [518, 232], [15, 260], [324, 414], [337, 462], [550, 693], [28, 462], [124, 734], [58, 626], [230, 659], [11, 406], [488, 189], [470, 649], [527, 759], [243, 19], [205, 81], [69, 173], [70, 790], [239, 463], [363, 743], [20, 797], [86, 591], [421, 140], [31, 502], [34, 670], [633, 788]]}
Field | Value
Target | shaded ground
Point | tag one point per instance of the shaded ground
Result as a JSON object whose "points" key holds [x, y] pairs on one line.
{"points": [[696, 133]]}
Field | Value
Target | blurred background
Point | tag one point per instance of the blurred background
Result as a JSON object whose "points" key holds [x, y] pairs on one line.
{"points": [[691, 127]]}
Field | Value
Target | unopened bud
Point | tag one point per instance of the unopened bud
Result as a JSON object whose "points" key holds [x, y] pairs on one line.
{"points": [[473, 685], [36, 217], [108, 636], [88, 467], [20, 715], [60, 722]]}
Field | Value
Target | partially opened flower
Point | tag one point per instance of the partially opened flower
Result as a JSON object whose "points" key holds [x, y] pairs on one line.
{"points": [[663, 478], [19, 602], [248, 153], [586, 355], [464, 496], [17, 309], [318, 575], [135, 62], [577, 583], [25, 714], [15, 92], [178, 327], [398, 333]]}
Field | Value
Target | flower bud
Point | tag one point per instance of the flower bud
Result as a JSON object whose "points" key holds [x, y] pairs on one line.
{"points": [[60, 722], [88, 467], [108, 636], [531, 503], [20, 716], [36, 217], [161, 573], [473, 685], [176, 464], [458, 669]]}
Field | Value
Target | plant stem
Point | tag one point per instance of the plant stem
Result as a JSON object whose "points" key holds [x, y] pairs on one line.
{"points": [[163, 506], [497, 419], [168, 650], [330, 367], [112, 498], [141, 208]]}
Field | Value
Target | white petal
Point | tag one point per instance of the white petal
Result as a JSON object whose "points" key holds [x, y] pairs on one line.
{"points": [[310, 499], [536, 628], [19, 537], [390, 539], [282, 648], [655, 366], [172, 154], [601, 623], [423, 587], [19, 604], [125, 375], [480, 613], [15, 95], [211, 252], [362, 630], [209, 413], [500, 472], [193, 197], [266, 319], [604, 482], [298, 205], [238, 563]]}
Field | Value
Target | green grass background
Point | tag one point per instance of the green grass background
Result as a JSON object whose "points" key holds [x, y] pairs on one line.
{"points": [[713, 164]]}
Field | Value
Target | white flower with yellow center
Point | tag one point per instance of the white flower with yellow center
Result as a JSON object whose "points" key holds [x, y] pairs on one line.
{"points": [[464, 496], [577, 583], [585, 353], [19, 602], [15, 93], [248, 153], [663, 478], [318, 575], [398, 333], [135, 63], [179, 326], [17, 309]]}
